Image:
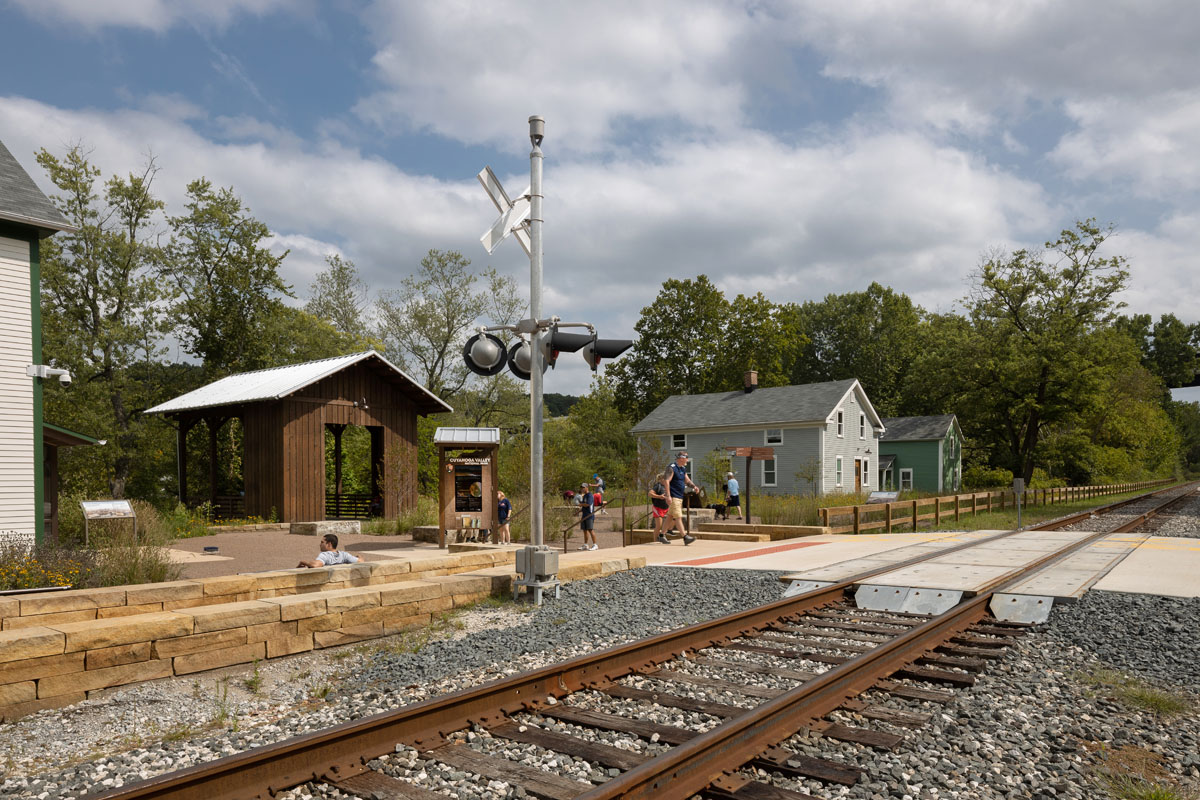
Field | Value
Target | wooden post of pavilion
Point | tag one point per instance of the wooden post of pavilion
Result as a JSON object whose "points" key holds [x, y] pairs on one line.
{"points": [[750, 454], [337, 430]]}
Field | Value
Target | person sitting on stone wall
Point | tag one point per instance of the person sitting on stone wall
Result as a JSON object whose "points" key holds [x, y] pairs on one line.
{"points": [[330, 555]]}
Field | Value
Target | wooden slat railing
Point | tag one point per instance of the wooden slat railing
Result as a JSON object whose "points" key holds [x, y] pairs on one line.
{"points": [[911, 513]]}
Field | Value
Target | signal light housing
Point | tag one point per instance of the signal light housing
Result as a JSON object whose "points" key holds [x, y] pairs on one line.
{"points": [[556, 341], [597, 349]]}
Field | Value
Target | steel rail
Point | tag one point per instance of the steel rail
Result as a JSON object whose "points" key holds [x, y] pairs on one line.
{"points": [[343, 750], [714, 756], [1138, 522]]}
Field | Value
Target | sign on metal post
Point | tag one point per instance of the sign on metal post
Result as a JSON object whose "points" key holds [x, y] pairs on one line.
{"points": [[514, 214], [1018, 490], [107, 509]]}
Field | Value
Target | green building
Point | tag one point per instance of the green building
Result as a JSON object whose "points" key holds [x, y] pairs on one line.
{"points": [[921, 453]]}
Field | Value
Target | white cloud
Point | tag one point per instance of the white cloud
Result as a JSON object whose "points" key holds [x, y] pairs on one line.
{"points": [[474, 72], [1162, 266], [755, 214], [958, 65], [152, 15], [1152, 142]]}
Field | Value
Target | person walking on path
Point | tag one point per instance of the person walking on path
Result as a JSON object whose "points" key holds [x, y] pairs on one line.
{"points": [[329, 555], [503, 509], [587, 522], [599, 487], [734, 502], [680, 481], [660, 503]]}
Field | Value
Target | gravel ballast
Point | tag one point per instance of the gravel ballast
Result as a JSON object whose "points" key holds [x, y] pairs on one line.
{"points": [[1035, 725]]}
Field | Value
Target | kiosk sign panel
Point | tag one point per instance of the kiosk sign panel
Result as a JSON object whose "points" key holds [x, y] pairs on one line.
{"points": [[468, 487]]}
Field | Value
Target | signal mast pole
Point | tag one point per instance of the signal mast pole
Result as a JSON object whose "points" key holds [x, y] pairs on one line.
{"points": [[537, 131]]}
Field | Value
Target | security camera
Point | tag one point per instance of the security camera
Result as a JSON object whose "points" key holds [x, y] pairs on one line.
{"points": [[43, 371]]}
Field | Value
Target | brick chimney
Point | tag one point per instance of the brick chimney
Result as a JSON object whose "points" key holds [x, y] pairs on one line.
{"points": [[750, 381]]}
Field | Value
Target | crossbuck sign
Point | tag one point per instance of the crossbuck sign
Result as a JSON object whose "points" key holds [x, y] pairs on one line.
{"points": [[514, 215]]}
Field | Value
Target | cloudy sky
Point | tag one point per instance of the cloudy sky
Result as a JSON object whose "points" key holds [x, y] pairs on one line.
{"points": [[795, 149]]}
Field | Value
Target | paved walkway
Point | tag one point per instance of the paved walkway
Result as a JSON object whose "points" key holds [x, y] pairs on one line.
{"points": [[1159, 566]]}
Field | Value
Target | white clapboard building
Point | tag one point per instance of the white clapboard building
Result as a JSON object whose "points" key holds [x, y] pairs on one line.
{"points": [[26, 217]]}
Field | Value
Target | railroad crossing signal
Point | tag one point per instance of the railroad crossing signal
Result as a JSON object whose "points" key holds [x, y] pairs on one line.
{"points": [[514, 214]]}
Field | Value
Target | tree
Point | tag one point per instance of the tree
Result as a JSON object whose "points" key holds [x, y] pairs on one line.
{"points": [[598, 434], [339, 297], [424, 323], [293, 335], [225, 281], [100, 305], [1172, 353], [1033, 357], [872, 336], [678, 347]]}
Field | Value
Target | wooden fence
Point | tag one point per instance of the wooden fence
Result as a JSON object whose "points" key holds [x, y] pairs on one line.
{"points": [[911, 513]]}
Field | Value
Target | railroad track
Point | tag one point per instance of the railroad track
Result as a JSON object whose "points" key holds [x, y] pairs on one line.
{"points": [[811, 665]]}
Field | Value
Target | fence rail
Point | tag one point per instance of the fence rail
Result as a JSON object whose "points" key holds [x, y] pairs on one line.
{"points": [[911, 513], [347, 506]]}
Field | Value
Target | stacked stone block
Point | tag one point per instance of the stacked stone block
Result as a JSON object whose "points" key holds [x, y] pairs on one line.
{"points": [[57, 648]]}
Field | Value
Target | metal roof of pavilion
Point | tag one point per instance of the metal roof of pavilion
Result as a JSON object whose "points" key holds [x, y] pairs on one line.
{"points": [[21, 201], [279, 382], [467, 437]]}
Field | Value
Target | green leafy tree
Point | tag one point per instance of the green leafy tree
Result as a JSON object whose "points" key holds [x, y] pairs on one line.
{"points": [[1032, 359], [225, 281], [292, 335], [597, 433], [1186, 420], [1173, 353], [338, 296], [873, 336], [678, 347], [101, 313], [425, 322]]}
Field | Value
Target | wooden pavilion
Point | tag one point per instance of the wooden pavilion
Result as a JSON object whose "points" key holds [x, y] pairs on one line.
{"points": [[285, 412]]}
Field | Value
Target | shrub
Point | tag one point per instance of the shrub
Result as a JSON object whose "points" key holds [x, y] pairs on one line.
{"points": [[980, 477], [425, 512], [39, 567]]}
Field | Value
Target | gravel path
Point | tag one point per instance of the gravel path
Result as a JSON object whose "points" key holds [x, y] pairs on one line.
{"points": [[1038, 724]]}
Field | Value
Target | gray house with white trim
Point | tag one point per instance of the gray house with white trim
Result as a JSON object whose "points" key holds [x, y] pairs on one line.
{"points": [[829, 430]]}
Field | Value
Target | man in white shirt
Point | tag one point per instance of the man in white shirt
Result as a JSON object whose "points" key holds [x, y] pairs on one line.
{"points": [[329, 555]]}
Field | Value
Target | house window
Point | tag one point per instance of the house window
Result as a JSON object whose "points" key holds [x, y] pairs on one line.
{"points": [[837, 469], [774, 435], [768, 474], [906, 480], [862, 426], [840, 429], [679, 441], [866, 472]]}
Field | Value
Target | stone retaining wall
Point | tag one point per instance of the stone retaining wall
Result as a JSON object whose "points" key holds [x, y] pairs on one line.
{"points": [[78, 605], [50, 663]]}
